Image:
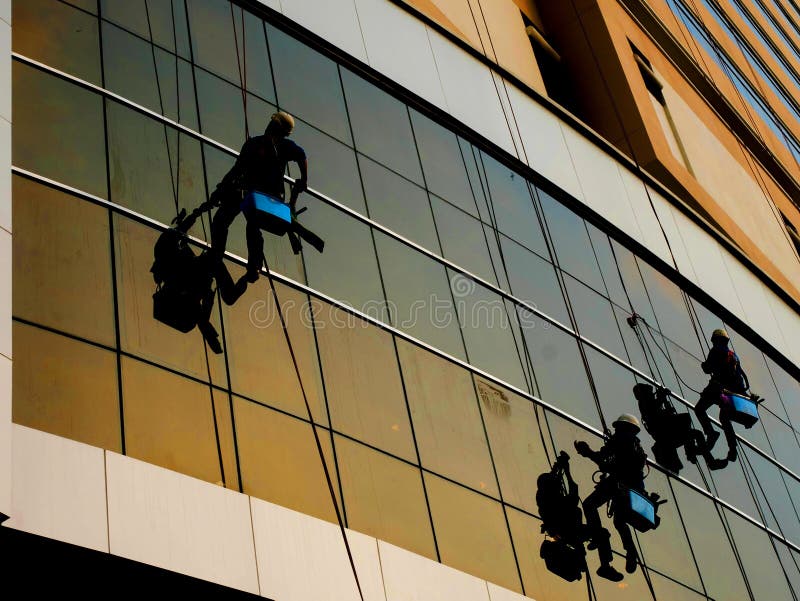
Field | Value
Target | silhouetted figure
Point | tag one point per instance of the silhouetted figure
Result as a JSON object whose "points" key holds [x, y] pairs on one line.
{"points": [[726, 375], [621, 461], [260, 167], [559, 507], [185, 296], [671, 430]]}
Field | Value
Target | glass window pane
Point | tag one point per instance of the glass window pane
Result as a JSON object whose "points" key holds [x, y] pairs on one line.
{"points": [[296, 66], [384, 497], [221, 110], [332, 168], [778, 511], [539, 582], [169, 421], [446, 418], [513, 204], [761, 563], [140, 333], [560, 374], [61, 262], [666, 548], [595, 317], [398, 204], [58, 35], [348, 269], [782, 439], [58, 130], [223, 410], [254, 56], [280, 461], [381, 126], [668, 303], [612, 285], [128, 63], [144, 172], [362, 382], [442, 162], [213, 39], [667, 589], [471, 532], [573, 246], [261, 367], [487, 324], [132, 15], [419, 296], [629, 268], [465, 240], [512, 425], [714, 555], [65, 387], [533, 280]]}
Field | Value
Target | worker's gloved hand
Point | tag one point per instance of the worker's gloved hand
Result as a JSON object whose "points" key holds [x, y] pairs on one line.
{"points": [[300, 185], [583, 448]]}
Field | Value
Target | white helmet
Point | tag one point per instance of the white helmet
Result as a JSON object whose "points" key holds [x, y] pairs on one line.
{"points": [[627, 418]]}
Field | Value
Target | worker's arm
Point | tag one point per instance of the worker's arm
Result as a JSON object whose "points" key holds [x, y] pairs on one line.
{"points": [[301, 183], [708, 364], [585, 450]]}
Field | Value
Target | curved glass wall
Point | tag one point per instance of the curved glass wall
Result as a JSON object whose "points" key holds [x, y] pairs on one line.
{"points": [[461, 327]]}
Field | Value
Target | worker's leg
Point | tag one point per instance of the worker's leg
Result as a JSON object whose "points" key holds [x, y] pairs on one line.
{"points": [[600, 536], [255, 251], [625, 535], [228, 210], [730, 435], [708, 397]]}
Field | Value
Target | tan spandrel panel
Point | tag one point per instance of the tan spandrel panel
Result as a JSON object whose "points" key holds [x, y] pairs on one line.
{"points": [[453, 15], [734, 190], [508, 43]]}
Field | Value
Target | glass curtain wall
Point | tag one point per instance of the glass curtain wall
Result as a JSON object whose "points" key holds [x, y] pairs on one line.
{"points": [[478, 326]]}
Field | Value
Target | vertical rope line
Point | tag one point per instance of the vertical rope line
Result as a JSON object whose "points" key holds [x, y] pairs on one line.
{"points": [[317, 440]]}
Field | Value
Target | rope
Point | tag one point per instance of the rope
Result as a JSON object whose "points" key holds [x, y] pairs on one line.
{"points": [[242, 73], [325, 468], [645, 569], [173, 182]]}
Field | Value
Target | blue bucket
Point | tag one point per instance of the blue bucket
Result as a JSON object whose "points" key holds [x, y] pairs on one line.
{"points": [[741, 409], [640, 512], [268, 213]]}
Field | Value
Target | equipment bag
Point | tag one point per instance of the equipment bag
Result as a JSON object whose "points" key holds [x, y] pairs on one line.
{"points": [[176, 307], [267, 212], [637, 509], [563, 560], [739, 408]]}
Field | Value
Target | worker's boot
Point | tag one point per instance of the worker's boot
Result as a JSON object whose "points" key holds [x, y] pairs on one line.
{"points": [[608, 572]]}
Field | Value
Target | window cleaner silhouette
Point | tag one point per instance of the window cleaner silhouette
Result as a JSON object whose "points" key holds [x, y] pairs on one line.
{"points": [[184, 297], [255, 185], [727, 388], [621, 462]]}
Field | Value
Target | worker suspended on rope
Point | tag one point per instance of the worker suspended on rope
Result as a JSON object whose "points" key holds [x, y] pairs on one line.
{"points": [[562, 520], [621, 462], [185, 296], [670, 430], [259, 169], [728, 380]]}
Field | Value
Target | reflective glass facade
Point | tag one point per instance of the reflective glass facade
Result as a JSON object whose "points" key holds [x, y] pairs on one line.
{"points": [[461, 328]]}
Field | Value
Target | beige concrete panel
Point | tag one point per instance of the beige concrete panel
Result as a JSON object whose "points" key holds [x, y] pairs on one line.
{"points": [[5, 71], [733, 187], [5, 175], [508, 42], [301, 557], [544, 143], [651, 224], [710, 271], [411, 577], [600, 179], [5, 293], [5, 436], [273, 4], [497, 593], [470, 92], [5, 11], [334, 20], [753, 297], [59, 489], [398, 46], [175, 522], [789, 322], [647, 222]]}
